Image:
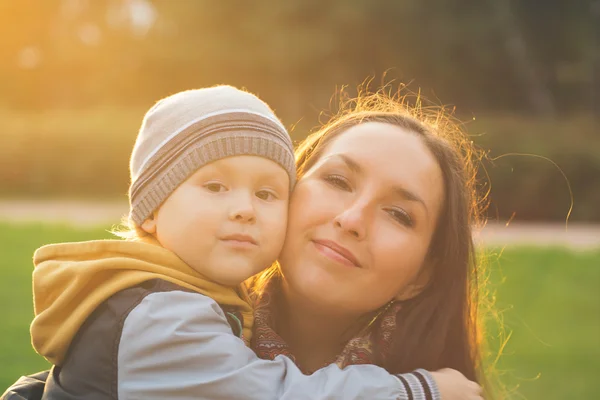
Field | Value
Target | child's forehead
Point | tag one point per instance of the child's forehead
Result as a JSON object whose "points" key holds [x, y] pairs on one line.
{"points": [[245, 165]]}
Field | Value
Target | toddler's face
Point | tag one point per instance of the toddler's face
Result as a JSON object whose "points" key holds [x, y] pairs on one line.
{"points": [[228, 219]]}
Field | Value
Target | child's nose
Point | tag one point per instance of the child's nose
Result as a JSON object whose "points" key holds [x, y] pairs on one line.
{"points": [[242, 210]]}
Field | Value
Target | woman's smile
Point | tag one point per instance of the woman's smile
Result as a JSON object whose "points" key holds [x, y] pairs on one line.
{"points": [[336, 252]]}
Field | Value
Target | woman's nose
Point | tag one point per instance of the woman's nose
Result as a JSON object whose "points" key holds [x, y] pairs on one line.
{"points": [[353, 221], [242, 209]]}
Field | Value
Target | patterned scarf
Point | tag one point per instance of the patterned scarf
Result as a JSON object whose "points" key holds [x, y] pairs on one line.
{"points": [[267, 343]]}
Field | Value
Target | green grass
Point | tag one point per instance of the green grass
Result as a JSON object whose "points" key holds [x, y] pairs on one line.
{"points": [[17, 244], [549, 303], [548, 298]]}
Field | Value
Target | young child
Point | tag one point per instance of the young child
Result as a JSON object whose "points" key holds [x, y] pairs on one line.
{"points": [[161, 316]]}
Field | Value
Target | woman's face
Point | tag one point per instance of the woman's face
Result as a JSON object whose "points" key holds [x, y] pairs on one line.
{"points": [[361, 220]]}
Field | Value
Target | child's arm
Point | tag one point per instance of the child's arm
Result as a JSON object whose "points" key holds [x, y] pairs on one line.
{"points": [[27, 387], [178, 345]]}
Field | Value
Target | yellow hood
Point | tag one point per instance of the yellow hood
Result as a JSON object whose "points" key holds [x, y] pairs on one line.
{"points": [[71, 280]]}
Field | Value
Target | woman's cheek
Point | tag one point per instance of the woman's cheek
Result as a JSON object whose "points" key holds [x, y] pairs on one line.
{"points": [[326, 197], [395, 250], [307, 200]]}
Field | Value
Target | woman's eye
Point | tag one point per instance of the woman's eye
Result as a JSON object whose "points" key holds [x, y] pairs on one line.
{"points": [[401, 216], [266, 195], [338, 181], [215, 187]]}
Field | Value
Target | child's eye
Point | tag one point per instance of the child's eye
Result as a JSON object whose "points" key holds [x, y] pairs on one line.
{"points": [[215, 187], [266, 195], [338, 181], [401, 216]]}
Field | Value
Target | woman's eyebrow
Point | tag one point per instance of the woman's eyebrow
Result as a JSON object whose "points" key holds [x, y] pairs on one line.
{"points": [[350, 163], [408, 195]]}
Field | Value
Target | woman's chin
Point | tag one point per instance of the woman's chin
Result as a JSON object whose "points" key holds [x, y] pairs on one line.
{"points": [[319, 288]]}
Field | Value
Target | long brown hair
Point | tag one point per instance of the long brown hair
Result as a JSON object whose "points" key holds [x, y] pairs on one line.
{"points": [[439, 327]]}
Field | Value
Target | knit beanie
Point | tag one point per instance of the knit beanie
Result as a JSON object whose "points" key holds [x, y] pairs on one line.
{"points": [[190, 129]]}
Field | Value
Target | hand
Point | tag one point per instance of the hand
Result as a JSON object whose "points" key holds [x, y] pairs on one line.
{"points": [[454, 386]]}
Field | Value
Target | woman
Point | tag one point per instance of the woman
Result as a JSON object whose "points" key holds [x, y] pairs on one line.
{"points": [[379, 246], [378, 256]]}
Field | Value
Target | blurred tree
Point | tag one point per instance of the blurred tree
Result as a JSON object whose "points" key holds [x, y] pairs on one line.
{"points": [[520, 58], [532, 56], [595, 57]]}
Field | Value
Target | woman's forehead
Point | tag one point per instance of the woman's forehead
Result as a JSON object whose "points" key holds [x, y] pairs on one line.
{"points": [[386, 142]]}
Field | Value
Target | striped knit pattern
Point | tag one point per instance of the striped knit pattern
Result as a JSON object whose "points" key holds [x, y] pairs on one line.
{"points": [[190, 129], [418, 385]]}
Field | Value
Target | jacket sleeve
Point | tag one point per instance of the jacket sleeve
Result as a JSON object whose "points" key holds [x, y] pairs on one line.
{"points": [[29, 387], [178, 345]]}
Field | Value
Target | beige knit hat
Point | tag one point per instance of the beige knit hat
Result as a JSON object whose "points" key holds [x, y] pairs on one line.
{"points": [[190, 129]]}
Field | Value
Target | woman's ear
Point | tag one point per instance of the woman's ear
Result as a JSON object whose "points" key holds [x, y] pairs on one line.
{"points": [[417, 285], [149, 225]]}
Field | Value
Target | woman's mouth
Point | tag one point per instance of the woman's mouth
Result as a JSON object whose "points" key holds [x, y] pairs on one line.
{"points": [[336, 253]]}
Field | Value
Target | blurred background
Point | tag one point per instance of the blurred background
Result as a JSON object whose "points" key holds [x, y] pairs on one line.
{"points": [[76, 77]]}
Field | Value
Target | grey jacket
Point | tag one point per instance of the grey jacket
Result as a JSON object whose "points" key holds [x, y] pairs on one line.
{"points": [[161, 341]]}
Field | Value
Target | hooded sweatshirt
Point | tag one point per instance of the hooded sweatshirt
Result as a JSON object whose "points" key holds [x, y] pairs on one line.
{"points": [[71, 280]]}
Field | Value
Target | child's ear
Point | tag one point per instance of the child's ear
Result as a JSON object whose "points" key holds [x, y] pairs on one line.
{"points": [[418, 284], [149, 225]]}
